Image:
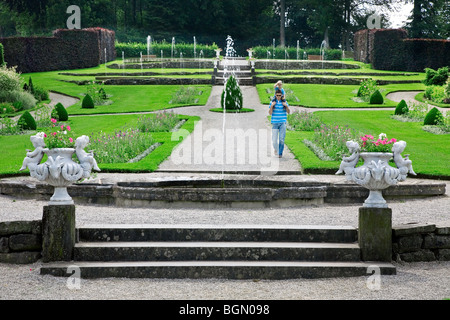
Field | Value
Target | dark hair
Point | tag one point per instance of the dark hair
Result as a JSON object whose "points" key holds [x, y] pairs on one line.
{"points": [[278, 91]]}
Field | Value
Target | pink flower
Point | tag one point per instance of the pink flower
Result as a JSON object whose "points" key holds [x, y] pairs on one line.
{"points": [[68, 128], [45, 135], [71, 140], [393, 140], [54, 134], [62, 127], [53, 120]]}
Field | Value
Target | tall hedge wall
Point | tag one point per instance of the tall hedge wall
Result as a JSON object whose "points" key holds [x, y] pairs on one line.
{"points": [[67, 49], [390, 49]]}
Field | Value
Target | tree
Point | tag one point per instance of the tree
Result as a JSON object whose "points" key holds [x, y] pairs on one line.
{"points": [[429, 19]]}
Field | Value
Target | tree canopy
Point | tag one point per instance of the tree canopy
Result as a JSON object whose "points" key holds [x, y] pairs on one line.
{"points": [[249, 22]]}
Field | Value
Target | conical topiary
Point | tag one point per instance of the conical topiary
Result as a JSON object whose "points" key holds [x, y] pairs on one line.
{"points": [[87, 103], [433, 117], [232, 95], [60, 113], [27, 122], [376, 98], [402, 108]]}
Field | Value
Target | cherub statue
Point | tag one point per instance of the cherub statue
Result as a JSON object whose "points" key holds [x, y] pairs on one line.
{"points": [[87, 160], [348, 163], [403, 164], [33, 158]]}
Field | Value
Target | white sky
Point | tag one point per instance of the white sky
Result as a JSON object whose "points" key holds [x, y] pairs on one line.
{"points": [[398, 18]]}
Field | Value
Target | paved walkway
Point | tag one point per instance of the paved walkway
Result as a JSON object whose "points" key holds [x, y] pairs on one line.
{"points": [[229, 142]]}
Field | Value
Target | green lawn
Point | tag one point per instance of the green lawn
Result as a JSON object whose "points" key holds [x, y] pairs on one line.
{"points": [[14, 147], [144, 98], [333, 96], [430, 153]]}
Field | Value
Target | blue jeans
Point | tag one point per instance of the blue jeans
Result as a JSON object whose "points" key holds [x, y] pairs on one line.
{"points": [[278, 135]]}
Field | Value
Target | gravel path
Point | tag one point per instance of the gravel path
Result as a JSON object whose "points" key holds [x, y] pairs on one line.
{"points": [[413, 280]]}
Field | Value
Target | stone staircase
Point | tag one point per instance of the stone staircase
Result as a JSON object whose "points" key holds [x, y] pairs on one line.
{"points": [[239, 67], [206, 251]]}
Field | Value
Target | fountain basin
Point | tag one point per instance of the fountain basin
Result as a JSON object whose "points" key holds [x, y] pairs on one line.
{"points": [[218, 193]]}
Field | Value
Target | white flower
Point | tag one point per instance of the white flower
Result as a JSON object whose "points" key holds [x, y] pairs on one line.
{"points": [[382, 136], [65, 131]]}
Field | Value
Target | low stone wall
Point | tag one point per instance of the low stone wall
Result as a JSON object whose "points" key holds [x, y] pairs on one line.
{"points": [[294, 64], [20, 241], [420, 242]]}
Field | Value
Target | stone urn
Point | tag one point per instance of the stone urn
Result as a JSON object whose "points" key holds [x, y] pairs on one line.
{"points": [[60, 170], [376, 174]]}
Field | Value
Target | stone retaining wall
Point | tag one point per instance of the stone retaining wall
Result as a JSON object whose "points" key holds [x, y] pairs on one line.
{"points": [[20, 241], [420, 242]]}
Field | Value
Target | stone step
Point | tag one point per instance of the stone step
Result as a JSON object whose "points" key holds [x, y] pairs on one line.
{"points": [[224, 233], [272, 270], [244, 81], [214, 251]]}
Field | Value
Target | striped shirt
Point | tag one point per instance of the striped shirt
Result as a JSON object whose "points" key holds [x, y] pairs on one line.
{"points": [[279, 114]]}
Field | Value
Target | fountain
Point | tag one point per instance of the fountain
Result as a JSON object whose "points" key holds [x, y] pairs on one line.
{"points": [[195, 48], [106, 70], [273, 47], [298, 49], [149, 45], [162, 62], [173, 47], [181, 60], [142, 71], [123, 62], [286, 57], [322, 50]]}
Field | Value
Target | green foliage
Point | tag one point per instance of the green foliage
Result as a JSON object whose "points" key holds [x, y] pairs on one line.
{"points": [[402, 108], [87, 103], [6, 108], [231, 95], [2, 56], [160, 122], [367, 88], [376, 98], [60, 113], [304, 121], [261, 52], [21, 100], [436, 78], [134, 49], [10, 79], [26, 121], [434, 117]]}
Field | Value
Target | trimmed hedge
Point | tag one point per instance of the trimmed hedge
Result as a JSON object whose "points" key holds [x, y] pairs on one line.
{"points": [[376, 98], [27, 122], [60, 113], [402, 108], [87, 102], [433, 117], [67, 49], [389, 49], [260, 52]]}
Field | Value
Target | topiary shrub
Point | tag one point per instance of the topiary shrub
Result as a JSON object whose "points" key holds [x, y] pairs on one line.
{"points": [[433, 117], [402, 108], [376, 98], [60, 113], [87, 103], [436, 78], [27, 122], [232, 95]]}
